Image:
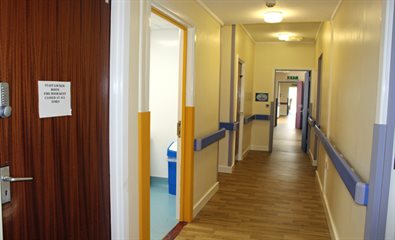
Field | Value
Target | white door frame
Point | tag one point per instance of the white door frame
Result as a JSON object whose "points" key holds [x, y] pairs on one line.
{"points": [[124, 69]]}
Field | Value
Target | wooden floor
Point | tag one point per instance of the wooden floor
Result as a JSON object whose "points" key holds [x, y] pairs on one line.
{"points": [[268, 196]]}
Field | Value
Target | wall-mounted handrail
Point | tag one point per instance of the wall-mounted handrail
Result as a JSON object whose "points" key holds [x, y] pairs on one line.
{"points": [[262, 117], [249, 119], [231, 126], [201, 143], [311, 121], [256, 117], [358, 189]]}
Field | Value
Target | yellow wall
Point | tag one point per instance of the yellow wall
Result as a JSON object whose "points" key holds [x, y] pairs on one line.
{"points": [[245, 50], [324, 47], [348, 110], [268, 58], [207, 67], [226, 52]]}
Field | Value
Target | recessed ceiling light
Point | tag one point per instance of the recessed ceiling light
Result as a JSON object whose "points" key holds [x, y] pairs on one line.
{"points": [[296, 38], [273, 17], [289, 37], [283, 36]]}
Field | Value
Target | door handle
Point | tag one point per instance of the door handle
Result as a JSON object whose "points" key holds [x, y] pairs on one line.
{"points": [[11, 179], [5, 183]]}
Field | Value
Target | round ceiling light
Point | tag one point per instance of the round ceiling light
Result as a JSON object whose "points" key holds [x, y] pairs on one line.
{"points": [[283, 36], [289, 37], [273, 17]]}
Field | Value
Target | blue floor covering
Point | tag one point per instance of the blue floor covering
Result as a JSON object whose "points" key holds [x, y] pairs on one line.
{"points": [[163, 209]]}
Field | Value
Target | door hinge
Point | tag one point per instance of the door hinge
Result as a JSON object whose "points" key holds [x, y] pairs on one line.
{"points": [[179, 129]]}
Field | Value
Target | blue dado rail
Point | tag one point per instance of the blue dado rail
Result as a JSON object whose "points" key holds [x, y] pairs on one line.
{"points": [[357, 188], [206, 141], [231, 126], [249, 119], [261, 117]]}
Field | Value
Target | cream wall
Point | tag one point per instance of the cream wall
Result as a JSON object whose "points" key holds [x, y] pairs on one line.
{"points": [[225, 79], [207, 67], [324, 47], [268, 58], [349, 105], [245, 50]]}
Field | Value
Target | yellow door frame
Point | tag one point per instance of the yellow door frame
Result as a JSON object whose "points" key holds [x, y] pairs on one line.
{"points": [[187, 148], [187, 136]]}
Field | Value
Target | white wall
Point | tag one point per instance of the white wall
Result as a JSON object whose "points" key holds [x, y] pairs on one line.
{"points": [[164, 82]]}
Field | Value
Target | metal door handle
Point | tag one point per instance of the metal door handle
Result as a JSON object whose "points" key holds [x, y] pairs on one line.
{"points": [[11, 179], [5, 183]]}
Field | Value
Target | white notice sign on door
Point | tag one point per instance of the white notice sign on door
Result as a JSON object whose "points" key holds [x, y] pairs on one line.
{"points": [[54, 99]]}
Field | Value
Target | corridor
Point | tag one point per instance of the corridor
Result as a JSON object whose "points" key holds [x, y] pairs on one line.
{"points": [[268, 196]]}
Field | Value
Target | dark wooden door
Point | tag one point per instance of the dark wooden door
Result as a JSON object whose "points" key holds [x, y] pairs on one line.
{"points": [[63, 40]]}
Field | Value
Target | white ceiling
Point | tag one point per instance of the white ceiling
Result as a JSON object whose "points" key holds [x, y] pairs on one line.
{"points": [[301, 17], [251, 11], [269, 32]]}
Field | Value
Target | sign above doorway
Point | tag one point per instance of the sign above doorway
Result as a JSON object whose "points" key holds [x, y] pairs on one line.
{"points": [[292, 77]]}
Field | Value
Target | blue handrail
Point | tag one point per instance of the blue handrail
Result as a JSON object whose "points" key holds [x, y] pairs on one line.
{"points": [[206, 141], [262, 117], [358, 189], [231, 126], [249, 119]]}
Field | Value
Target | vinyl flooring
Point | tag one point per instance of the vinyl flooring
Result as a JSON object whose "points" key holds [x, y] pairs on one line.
{"points": [[163, 209], [268, 196]]}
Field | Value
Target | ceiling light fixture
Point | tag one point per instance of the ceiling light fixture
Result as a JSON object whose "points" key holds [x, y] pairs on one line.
{"points": [[289, 37], [283, 36], [273, 17], [295, 38]]}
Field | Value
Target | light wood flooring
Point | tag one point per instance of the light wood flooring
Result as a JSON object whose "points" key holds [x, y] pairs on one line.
{"points": [[268, 196]]}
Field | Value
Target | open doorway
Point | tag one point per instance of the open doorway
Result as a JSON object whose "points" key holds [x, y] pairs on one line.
{"points": [[292, 93], [164, 103]]}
